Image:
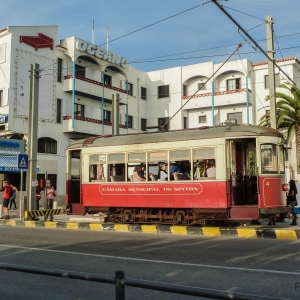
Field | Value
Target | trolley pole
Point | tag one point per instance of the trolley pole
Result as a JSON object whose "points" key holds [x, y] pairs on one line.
{"points": [[32, 135], [271, 70]]}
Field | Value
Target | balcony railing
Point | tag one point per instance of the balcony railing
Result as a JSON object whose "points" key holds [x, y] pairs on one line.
{"points": [[217, 93], [96, 83], [91, 120]]}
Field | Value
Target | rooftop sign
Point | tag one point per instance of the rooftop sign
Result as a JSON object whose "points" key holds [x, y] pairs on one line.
{"points": [[101, 53]]}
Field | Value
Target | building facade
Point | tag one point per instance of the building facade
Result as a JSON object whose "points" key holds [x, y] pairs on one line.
{"points": [[77, 83]]}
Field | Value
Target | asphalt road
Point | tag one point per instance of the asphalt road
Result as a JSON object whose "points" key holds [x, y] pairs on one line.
{"points": [[251, 266]]}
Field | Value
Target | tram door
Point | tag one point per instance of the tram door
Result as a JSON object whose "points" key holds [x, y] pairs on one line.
{"points": [[241, 170], [73, 188]]}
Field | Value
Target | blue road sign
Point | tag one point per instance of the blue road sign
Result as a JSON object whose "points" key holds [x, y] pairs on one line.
{"points": [[23, 161]]}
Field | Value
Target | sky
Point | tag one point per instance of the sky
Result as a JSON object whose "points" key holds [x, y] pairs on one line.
{"points": [[160, 34]]}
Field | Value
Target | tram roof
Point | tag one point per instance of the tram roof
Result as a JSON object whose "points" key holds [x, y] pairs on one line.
{"points": [[222, 131]]}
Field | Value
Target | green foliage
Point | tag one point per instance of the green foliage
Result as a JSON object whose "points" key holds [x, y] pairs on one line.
{"points": [[287, 110]]}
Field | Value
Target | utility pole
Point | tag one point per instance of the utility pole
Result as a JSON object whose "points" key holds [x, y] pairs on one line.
{"points": [[32, 136], [271, 69]]}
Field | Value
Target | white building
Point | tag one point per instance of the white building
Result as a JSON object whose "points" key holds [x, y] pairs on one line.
{"points": [[71, 107]]}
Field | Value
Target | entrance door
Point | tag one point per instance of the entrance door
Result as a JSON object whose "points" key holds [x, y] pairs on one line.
{"points": [[74, 178], [241, 166]]}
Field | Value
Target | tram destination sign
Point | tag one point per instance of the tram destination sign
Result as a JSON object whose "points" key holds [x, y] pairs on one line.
{"points": [[144, 189]]}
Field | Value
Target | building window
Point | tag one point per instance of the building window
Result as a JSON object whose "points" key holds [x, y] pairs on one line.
{"points": [[59, 69], [107, 79], [184, 90], [163, 91], [130, 119], [233, 84], [79, 70], [163, 121], [235, 116], [185, 125], [107, 115], [277, 80], [58, 111], [47, 145], [143, 93], [1, 98], [143, 124], [130, 89], [79, 110], [201, 86], [202, 119]]}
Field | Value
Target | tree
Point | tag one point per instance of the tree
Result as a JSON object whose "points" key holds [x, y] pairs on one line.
{"points": [[287, 113]]}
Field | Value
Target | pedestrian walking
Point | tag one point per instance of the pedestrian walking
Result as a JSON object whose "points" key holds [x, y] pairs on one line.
{"points": [[37, 194], [6, 198], [12, 201], [50, 197], [292, 200]]}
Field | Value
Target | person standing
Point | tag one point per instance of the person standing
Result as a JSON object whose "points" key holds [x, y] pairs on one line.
{"points": [[291, 197], [13, 197], [50, 198], [6, 198], [37, 194]]}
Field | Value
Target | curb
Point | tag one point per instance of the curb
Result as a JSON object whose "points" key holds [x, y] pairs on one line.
{"points": [[239, 232]]}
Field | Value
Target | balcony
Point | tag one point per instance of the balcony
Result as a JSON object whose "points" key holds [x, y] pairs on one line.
{"points": [[90, 126], [90, 88], [224, 98]]}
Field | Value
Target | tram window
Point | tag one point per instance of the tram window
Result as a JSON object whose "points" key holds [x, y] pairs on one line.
{"points": [[134, 160], [98, 158], [281, 160], [116, 167], [180, 154], [203, 159], [204, 153], [97, 172], [180, 163], [116, 157], [268, 158], [98, 167], [137, 157], [153, 160]]}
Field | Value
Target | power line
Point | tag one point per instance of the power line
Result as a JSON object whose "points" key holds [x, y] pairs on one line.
{"points": [[152, 24]]}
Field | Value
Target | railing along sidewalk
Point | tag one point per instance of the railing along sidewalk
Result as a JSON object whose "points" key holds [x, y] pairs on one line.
{"points": [[120, 282]]}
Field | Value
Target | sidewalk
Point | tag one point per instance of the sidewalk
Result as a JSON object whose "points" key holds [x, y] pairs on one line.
{"points": [[282, 230]]}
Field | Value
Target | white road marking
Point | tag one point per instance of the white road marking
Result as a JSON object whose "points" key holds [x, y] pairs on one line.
{"points": [[153, 261]]}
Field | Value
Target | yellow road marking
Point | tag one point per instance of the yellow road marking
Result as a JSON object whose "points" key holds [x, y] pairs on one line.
{"points": [[121, 227], [72, 225], [50, 224], [211, 231], [149, 229], [247, 232], [95, 226], [286, 234], [179, 230]]}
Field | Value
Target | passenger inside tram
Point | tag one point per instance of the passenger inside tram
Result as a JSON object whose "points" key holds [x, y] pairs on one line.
{"points": [[162, 171], [211, 168], [139, 173]]}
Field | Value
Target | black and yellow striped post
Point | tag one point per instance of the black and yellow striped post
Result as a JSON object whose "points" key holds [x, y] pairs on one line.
{"points": [[41, 213]]}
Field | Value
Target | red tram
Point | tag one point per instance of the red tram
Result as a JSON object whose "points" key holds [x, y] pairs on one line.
{"points": [[245, 185]]}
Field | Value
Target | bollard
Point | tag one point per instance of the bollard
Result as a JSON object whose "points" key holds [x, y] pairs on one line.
{"points": [[54, 204], [119, 285], [1, 210]]}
